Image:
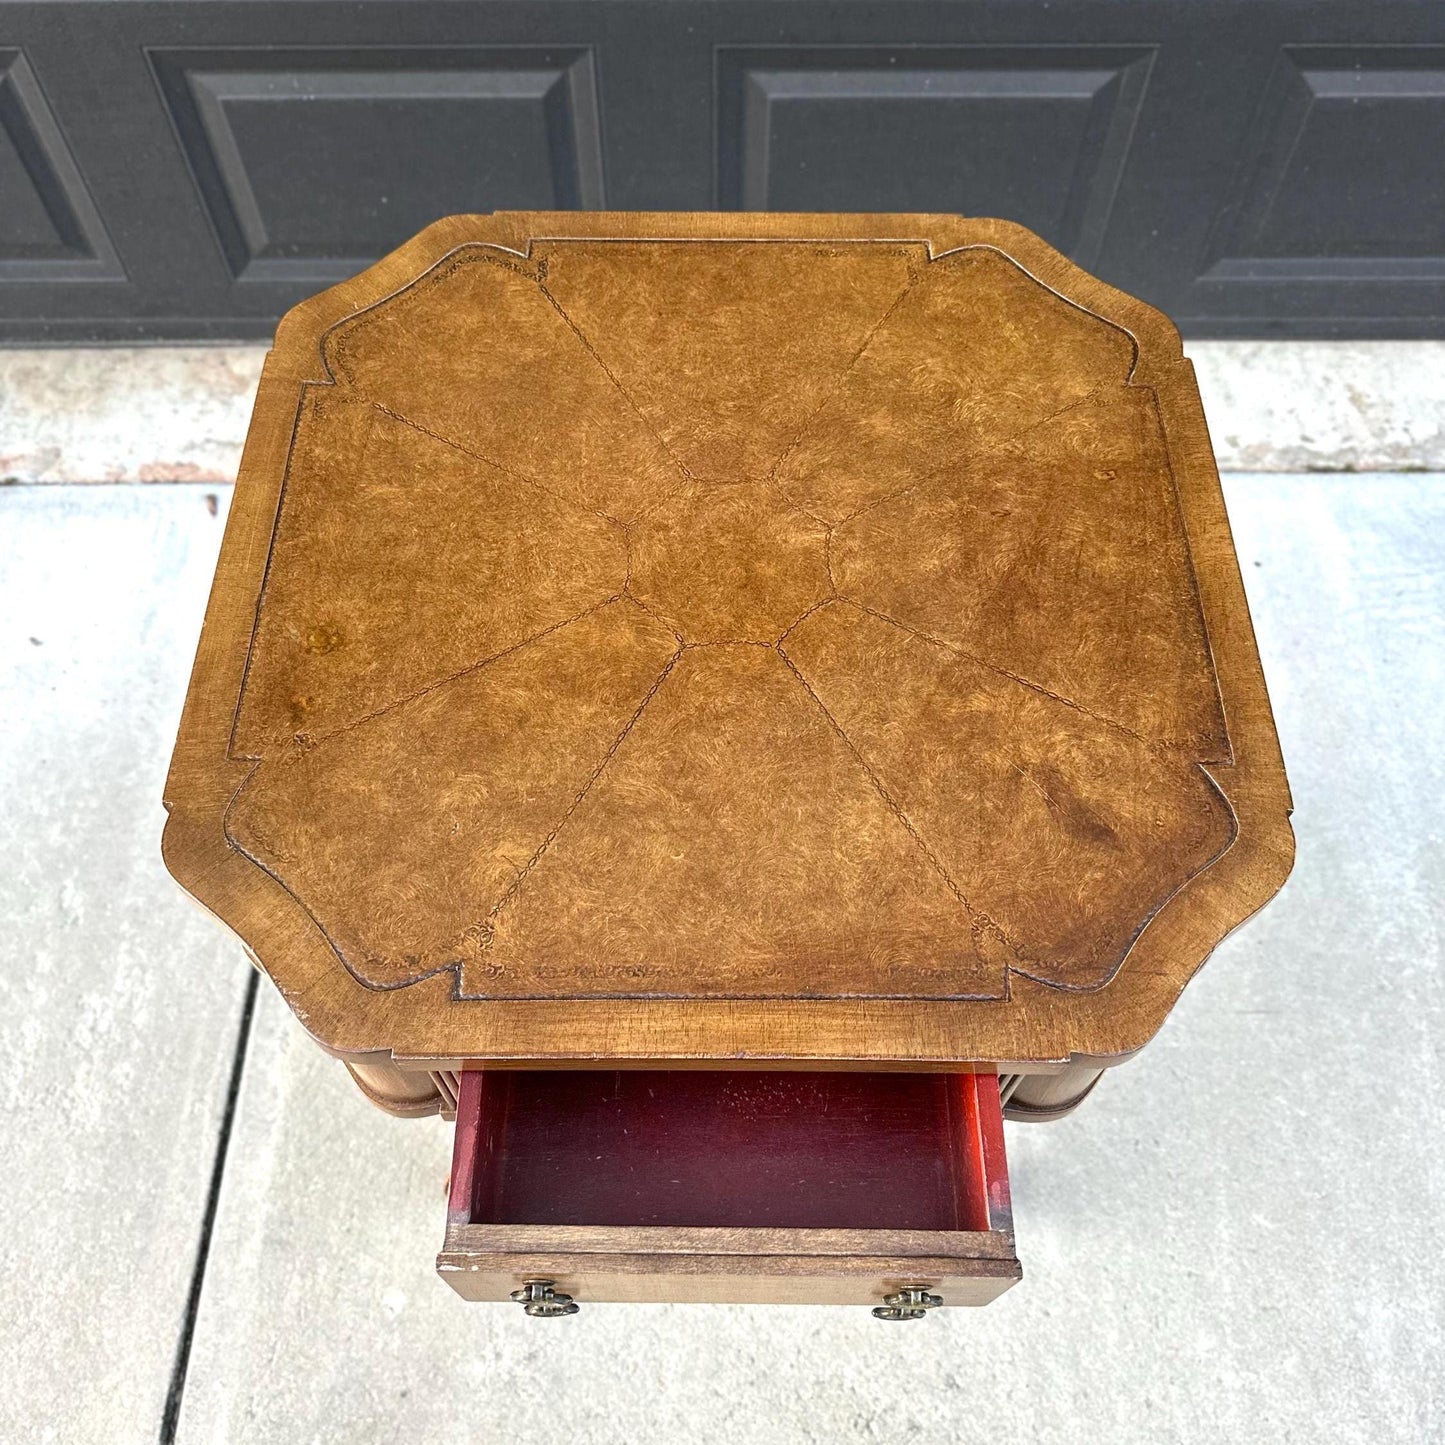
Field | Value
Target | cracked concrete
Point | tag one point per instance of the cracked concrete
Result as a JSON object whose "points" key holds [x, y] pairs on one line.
{"points": [[1324, 406], [167, 414], [126, 414]]}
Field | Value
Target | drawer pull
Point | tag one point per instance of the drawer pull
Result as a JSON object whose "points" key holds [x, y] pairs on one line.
{"points": [[542, 1302], [912, 1302]]}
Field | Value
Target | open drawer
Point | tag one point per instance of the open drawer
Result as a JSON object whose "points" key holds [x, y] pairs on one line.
{"points": [[889, 1189]]}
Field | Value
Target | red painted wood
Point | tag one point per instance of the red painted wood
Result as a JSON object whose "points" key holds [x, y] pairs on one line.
{"points": [[464, 1148], [995, 1161], [704, 1147], [974, 1204]]}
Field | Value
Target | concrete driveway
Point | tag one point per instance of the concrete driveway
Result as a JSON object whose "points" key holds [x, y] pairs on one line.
{"points": [[208, 1235]]}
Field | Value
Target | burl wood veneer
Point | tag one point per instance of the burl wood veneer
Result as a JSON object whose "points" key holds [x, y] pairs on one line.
{"points": [[748, 640]]}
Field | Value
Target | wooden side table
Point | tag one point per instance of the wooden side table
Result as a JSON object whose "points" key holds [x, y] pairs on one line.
{"points": [[728, 705]]}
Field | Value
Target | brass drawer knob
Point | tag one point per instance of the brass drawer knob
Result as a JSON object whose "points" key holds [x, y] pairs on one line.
{"points": [[912, 1302], [542, 1302]]}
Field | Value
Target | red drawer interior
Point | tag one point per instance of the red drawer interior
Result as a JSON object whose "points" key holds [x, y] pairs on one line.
{"points": [[730, 1149]]}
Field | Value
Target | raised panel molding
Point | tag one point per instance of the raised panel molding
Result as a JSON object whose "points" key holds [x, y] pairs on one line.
{"points": [[312, 163], [1036, 133], [1341, 179], [1253, 170], [50, 229]]}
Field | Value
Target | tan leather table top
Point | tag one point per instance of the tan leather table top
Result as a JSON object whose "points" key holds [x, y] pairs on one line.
{"points": [[702, 637]]}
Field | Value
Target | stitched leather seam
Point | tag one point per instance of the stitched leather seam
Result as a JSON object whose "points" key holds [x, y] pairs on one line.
{"points": [[506, 471], [941, 473], [914, 276], [608, 372], [308, 740], [982, 923], [798, 622], [727, 642], [652, 612], [1038, 687], [301, 402], [1039, 970], [629, 529], [347, 330], [488, 928], [467, 257], [319, 402]]}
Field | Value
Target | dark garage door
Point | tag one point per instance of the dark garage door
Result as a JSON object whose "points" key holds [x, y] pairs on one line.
{"points": [[189, 170]]}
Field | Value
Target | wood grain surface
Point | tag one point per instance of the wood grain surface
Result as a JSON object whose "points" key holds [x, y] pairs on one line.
{"points": [[768, 639]]}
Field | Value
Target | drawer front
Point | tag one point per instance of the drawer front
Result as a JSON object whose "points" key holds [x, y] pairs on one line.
{"points": [[726, 1187], [738, 1266]]}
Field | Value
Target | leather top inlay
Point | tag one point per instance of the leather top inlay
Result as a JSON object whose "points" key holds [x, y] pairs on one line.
{"points": [[732, 617]]}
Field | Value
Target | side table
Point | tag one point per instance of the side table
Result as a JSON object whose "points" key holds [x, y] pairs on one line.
{"points": [[728, 707]]}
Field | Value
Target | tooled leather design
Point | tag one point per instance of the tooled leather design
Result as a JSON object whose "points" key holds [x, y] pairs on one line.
{"points": [[730, 620]]}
